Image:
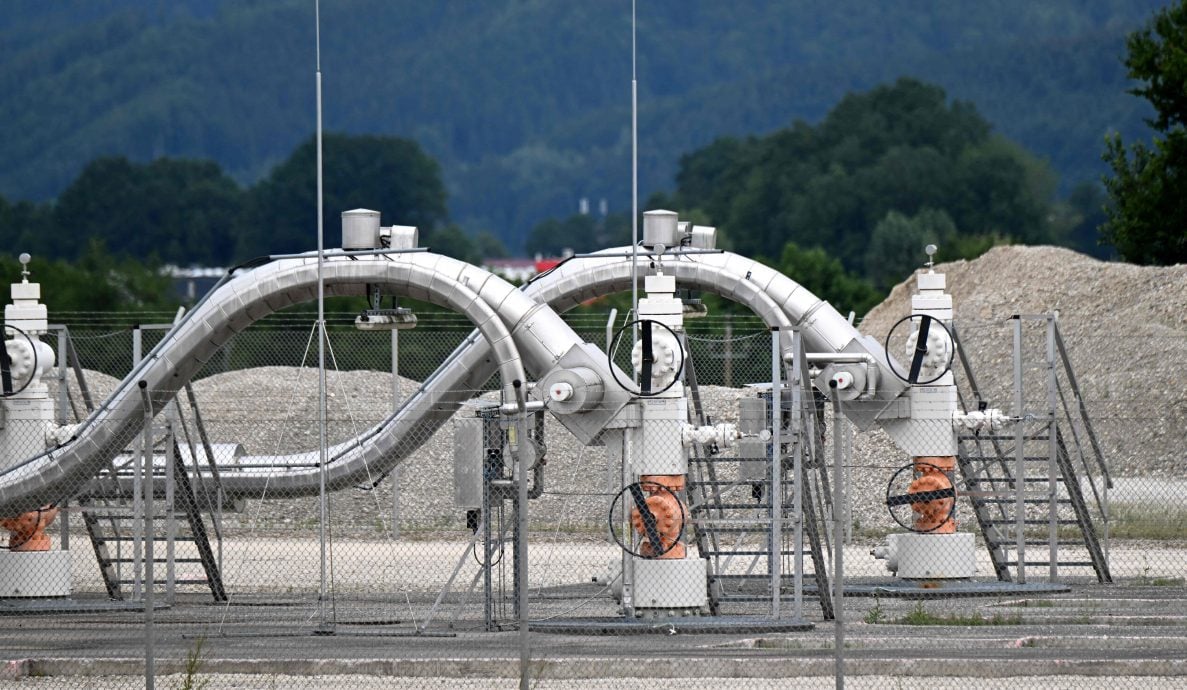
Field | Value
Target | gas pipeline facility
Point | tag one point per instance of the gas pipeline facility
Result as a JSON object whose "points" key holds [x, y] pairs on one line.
{"points": [[647, 492]]}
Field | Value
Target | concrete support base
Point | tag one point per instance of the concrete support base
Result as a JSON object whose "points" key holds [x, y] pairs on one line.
{"points": [[34, 573]]}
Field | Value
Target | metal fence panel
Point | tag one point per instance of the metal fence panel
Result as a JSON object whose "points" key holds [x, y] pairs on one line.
{"points": [[413, 580]]}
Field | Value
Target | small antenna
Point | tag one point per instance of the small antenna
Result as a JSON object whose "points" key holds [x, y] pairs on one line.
{"points": [[24, 258], [321, 331], [930, 250]]}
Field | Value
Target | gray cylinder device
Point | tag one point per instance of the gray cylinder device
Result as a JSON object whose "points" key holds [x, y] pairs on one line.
{"points": [[568, 391], [360, 229], [661, 227]]}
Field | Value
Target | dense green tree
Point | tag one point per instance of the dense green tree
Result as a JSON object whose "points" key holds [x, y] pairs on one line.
{"points": [[897, 244], [95, 282], [553, 236], [181, 211], [489, 246], [1147, 219], [451, 241], [579, 233], [1082, 215], [523, 104], [902, 147], [826, 278], [27, 227], [387, 174]]}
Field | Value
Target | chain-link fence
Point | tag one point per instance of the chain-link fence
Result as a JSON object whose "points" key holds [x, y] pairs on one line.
{"points": [[706, 538]]}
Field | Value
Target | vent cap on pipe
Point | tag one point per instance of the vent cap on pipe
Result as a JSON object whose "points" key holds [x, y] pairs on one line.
{"points": [[360, 229]]}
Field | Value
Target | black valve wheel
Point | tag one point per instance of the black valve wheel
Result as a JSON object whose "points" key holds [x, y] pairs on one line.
{"points": [[6, 389], [900, 500], [645, 336], [621, 528], [900, 333]]}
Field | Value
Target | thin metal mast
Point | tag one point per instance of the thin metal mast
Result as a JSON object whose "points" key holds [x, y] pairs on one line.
{"points": [[634, 175], [321, 334]]}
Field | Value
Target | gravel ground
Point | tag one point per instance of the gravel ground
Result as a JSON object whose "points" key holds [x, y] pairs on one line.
{"points": [[219, 681], [1126, 337]]}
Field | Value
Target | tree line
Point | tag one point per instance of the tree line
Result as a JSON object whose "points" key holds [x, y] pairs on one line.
{"points": [[846, 206], [190, 212], [522, 104]]}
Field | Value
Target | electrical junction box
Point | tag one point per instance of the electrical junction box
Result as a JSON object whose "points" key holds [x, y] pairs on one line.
{"points": [[932, 556], [468, 451], [34, 573]]}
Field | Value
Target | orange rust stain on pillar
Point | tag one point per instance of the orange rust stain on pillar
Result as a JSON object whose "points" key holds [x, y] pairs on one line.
{"points": [[669, 515], [933, 516]]}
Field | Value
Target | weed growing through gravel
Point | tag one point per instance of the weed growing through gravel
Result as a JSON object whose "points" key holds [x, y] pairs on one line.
{"points": [[193, 662], [875, 614]]}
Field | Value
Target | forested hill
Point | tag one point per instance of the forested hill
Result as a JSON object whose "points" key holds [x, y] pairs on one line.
{"points": [[525, 102]]}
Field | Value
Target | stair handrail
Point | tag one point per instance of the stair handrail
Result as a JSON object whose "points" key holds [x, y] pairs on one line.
{"points": [[1098, 454]]}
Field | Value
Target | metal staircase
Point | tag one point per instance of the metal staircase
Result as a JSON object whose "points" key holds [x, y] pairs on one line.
{"points": [[731, 508], [1038, 494], [114, 510]]}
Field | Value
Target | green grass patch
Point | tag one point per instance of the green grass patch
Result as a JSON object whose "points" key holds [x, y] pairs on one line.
{"points": [[876, 614], [921, 616], [1144, 521]]}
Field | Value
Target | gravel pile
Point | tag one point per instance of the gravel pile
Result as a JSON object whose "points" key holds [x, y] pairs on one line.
{"points": [[1125, 332], [273, 410]]}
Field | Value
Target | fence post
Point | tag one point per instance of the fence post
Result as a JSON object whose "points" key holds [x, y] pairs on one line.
{"points": [[396, 406], [727, 363], [1052, 459], [147, 468], [775, 556], [1020, 456], [797, 421], [521, 544], [141, 459], [171, 460], [838, 544], [63, 389]]}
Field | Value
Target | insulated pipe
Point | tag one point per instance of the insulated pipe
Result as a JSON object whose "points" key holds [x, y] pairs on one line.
{"points": [[249, 297], [729, 275], [778, 300], [541, 335], [726, 274]]}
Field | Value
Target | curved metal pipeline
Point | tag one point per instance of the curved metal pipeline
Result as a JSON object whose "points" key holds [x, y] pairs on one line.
{"points": [[726, 274], [247, 298], [538, 332], [542, 336], [732, 276], [467, 368], [778, 300]]}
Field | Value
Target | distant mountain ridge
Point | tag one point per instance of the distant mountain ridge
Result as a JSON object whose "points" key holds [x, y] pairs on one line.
{"points": [[525, 103]]}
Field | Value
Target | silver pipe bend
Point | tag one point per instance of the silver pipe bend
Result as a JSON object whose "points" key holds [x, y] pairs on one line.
{"points": [[250, 296]]}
